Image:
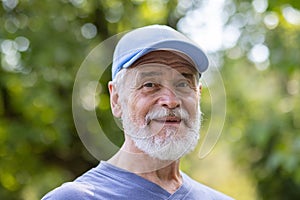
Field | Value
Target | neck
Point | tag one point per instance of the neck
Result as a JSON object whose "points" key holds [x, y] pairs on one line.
{"points": [[166, 174], [168, 177]]}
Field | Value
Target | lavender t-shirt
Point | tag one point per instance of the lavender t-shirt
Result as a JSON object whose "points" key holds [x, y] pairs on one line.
{"points": [[112, 183]]}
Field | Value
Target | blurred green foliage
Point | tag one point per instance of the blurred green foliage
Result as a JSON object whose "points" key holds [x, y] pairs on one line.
{"points": [[263, 101], [43, 43]]}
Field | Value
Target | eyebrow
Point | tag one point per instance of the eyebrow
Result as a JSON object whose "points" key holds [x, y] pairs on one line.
{"points": [[188, 75]]}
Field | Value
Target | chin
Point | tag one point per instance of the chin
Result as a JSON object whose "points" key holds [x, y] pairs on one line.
{"points": [[169, 148]]}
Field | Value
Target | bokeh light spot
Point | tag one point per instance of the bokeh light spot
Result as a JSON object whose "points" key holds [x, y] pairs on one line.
{"points": [[89, 30]]}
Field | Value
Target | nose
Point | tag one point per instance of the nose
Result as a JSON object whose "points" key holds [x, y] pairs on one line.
{"points": [[168, 98]]}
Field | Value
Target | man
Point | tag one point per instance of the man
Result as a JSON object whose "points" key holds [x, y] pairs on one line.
{"points": [[155, 91]]}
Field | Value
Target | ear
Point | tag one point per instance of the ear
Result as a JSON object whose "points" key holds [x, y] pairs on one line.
{"points": [[114, 100], [200, 88]]}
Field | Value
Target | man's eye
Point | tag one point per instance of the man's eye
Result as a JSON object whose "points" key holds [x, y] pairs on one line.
{"points": [[149, 85], [183, 84]]}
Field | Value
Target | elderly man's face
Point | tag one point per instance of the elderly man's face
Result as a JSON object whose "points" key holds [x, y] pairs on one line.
{"points": [[160, 106]]}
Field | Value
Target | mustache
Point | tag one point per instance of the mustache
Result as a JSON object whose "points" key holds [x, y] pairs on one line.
{"points": [[157, 113]]}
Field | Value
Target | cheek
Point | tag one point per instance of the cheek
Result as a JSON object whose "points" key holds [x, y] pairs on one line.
{"points": [[138, 109], [192, 105]]}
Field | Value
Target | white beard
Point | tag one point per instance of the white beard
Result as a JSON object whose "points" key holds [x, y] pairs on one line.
{"points": [[173, 143]]}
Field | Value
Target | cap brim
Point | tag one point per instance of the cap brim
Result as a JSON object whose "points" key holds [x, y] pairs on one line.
{"points": [[192, 51]]}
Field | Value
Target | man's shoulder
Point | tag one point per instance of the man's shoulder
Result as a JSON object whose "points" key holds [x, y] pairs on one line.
{"points": [[71, 191]]}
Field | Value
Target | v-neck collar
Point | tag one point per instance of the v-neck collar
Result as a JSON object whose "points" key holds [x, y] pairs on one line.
{"points": [[120, 174]]}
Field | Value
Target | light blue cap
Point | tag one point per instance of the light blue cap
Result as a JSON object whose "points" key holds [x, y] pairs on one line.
{"points": [[143, 40]]}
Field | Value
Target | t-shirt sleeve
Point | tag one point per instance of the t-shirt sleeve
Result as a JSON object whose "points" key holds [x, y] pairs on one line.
{"points": [[70, 191]]}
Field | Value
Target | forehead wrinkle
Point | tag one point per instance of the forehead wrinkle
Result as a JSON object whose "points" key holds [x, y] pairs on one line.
{"points": [[156, 70], [174, 76], [165, 59], [149, 74]]}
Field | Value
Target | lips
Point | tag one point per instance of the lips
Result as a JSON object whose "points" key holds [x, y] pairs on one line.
{"points": [[171, 120]]}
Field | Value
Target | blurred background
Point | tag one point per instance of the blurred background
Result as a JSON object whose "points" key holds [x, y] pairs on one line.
{"points": [[254, 44]]}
